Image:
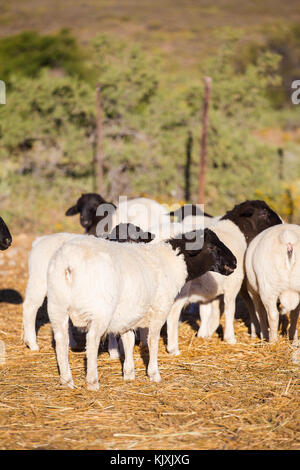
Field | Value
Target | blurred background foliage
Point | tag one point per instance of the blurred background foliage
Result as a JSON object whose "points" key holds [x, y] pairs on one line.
{"points": [[152, 112]]}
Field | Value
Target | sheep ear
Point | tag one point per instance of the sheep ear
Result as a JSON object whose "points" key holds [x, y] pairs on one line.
{"points": [[72, 210]]}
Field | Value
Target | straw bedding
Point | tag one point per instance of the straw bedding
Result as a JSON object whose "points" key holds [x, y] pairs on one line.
{"points": [[212, 396]]}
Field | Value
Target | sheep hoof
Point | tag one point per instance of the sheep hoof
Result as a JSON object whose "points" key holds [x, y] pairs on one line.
{"points": [[129, 376], [67, 383], [93, 386], [231, 340], [202, 335], [32, 346], [273, 340], [155, 377], [174, 352]]}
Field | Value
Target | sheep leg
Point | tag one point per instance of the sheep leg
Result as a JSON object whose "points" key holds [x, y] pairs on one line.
{"points": [[153, 339], [172, 326], [72, 340], [93, 338], [283, 322], [143, 336], [293, 333], [128, 340], [121, 347], [29, 316], [205, 314], [214, 320], [33, 301], [273, 318], [254, 322], [113, 347], [229, 307], [260, 313], [61, 336]]}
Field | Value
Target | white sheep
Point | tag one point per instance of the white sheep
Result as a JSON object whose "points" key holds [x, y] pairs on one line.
{"points": [[247, 220], [142, 212], [42, 250], [273, 274], [208, 287], [209, 313], [116, 288]]}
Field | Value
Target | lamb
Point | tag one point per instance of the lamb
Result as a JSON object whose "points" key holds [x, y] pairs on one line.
{"points": [[99, 216], [273, 274], [5, 236], [116, 288], [236, 229], [43, 249]]}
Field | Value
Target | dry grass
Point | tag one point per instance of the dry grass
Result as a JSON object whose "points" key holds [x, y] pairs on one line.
{"points": [[213, 396]]}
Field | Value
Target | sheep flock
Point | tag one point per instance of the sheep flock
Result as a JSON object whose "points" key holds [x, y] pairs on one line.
{"points": [[143, 293]]}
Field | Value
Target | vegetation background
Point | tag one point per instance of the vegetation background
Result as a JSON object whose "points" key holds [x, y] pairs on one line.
{"points": [[150, 58]]}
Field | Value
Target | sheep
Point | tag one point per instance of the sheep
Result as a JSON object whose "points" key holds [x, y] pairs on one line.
{"points": [[87, 206], [116, 288], [98, 216], [43, 249], [236, 229], [5, 236], [273, 274], [142, 212], [209, 286]]}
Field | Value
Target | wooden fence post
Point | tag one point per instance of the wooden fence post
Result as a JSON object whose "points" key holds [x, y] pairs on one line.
{"points": [[203, 154], [99, 153], [187, 168]]}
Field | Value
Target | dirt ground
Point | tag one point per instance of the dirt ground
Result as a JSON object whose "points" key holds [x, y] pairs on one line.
{"points": [[212, 396]]}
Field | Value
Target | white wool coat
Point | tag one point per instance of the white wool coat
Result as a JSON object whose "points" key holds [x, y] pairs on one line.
{"points": [[273, 273], [208, 287]]}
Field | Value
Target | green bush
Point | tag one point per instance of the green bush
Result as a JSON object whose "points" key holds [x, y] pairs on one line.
{"points": [[25, 54], [47, 130], [280, 39]]}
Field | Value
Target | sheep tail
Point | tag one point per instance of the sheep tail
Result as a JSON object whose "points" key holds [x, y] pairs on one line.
{"points": [[68, 275], [289, 239]]}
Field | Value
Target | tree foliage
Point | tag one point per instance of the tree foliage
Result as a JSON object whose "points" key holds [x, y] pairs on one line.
{"points": [[25, 54], [47, 127]]}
